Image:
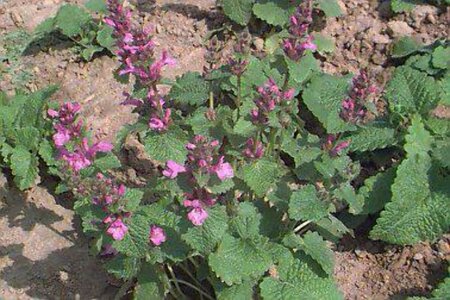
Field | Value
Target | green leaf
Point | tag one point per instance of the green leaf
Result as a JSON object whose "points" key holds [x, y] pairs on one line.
{"points": [[332, 228], [238, 260], [107, 162], [399, 6], [314, 245], [275, 13], [24, 166], [71, 19], [347, 194], [205, 238], [405, 46], [242, 291], [47, 152], [247, 221], [415, 213], [97, 6], [28, 137], [89, 52], [45, 27], [441, 57], [149, 283], [369, 138], [443, 290], [305, 205], [135, 243], [325, 44], [376, 191], [301, 70], [123, 267], [166, 146], [132, 199], [330, 7], [442, 152], [240, 11], [260, 175], [105, 38], [323, 97], [190, 89], [297, 280], [411, 91]]}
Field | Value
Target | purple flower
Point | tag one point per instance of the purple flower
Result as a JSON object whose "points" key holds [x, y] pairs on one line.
{"points": [[156, 67], [62, 135], [117, 230], [157, 235], [173, 169], [197, 216], [223, 170]]}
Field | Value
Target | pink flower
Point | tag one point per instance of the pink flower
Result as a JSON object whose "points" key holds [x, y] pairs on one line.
{"points": [[157, 235], [197, 216], [62, 135], [117, 230], [173, 169], [253, 150], [156, 67], [340, 147], [223, 170]]}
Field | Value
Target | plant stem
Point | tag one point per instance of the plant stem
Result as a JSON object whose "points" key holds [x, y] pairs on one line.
{"points": [[186, 270], [239, 95], [211, 100], [176, 281], [301, 226]]}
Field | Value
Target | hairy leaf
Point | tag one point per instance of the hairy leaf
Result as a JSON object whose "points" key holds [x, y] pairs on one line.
{"points": [[314, 245], [274, 12], [240, 11], [370, 138], [166, 146], [238, 260], [71, 19], [260, 175], [24, 166], [331, 8], [190, 89], [305, 205]]}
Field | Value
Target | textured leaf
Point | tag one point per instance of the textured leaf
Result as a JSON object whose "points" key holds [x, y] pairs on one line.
{"points": [[443, 290], [442, 152], [405, 46], [166, 146], [323, 97], [330, 7], [376, 191], [370, 138], [123, 267], [305, 205], [274, 12], [205, 238], [242, 291], [404, 5], [297, 280], [97, 6], [89, 52], [107, 162], [47, 152], [190, 89], [414, 214], [28, 137], [347, 194], [45, 27], [247, 221], [135, 243], [441, 57], [302, 70], [332, 228], [105, 38], [314, 245], [240, 11], [71, 19], [261, 175], [325, 44], [237, 260], [24, 166], [411, 91], [132, 199], [149, 285]]}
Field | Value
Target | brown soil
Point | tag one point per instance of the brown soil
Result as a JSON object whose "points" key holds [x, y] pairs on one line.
{"points": [[42, 252]]}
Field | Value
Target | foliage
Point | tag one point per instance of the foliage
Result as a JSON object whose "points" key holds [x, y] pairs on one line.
{"points": [[89, 35], [24, 133]]}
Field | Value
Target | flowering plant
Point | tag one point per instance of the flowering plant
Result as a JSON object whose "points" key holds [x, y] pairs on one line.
{"points": [[255, 166]]}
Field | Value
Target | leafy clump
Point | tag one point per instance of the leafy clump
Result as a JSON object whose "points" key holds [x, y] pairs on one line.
{"points": [[89, 35], [24, 133]]}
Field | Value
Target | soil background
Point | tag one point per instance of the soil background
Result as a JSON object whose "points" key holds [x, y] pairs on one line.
{"points": [[42, 251]]}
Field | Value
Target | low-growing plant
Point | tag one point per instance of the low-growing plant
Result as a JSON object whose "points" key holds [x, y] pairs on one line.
{"points": [[88, 34], [399, 6], [24, 133], [256, 166]]}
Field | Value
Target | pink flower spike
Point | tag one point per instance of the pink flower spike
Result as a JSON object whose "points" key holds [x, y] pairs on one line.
{"points": [[156, 124], [102, 147], [157, 235], [117, 230], [173, 169], [197, 216], [340, 147]]}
